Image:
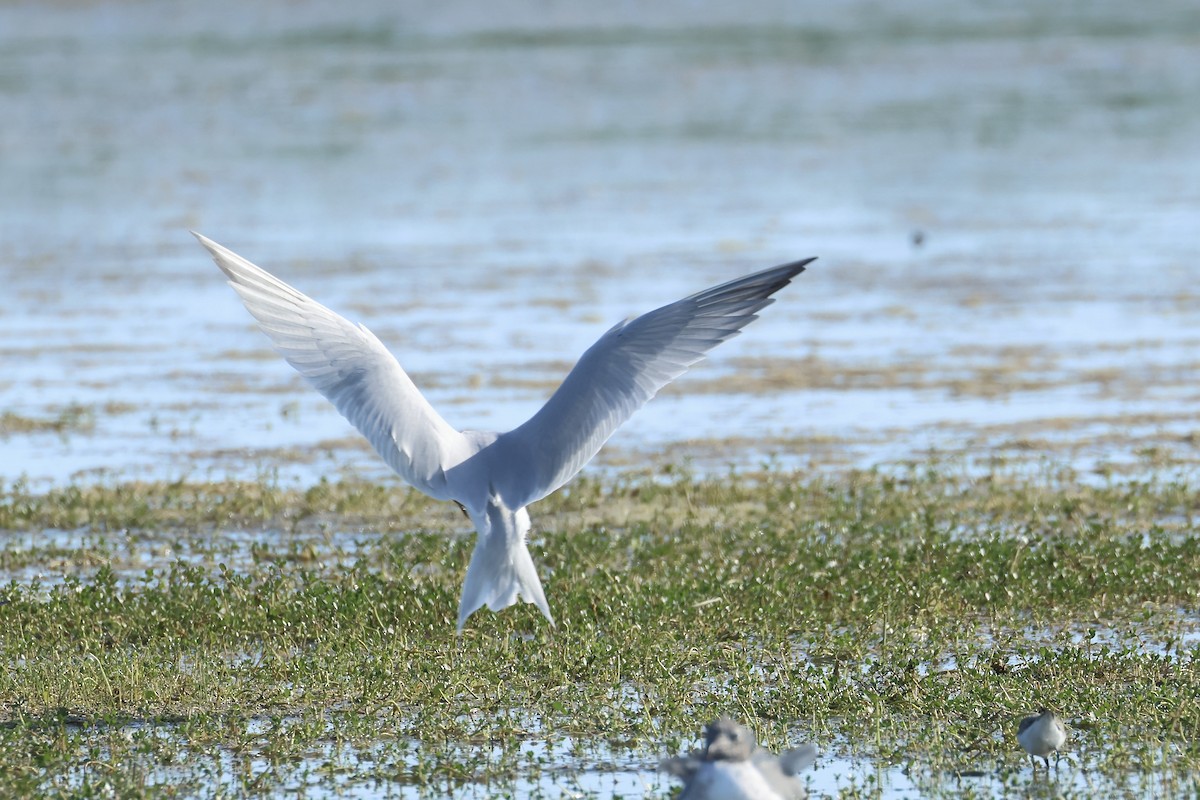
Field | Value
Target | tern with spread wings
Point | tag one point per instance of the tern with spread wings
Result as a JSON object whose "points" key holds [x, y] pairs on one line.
{"points": [[495, 476]]}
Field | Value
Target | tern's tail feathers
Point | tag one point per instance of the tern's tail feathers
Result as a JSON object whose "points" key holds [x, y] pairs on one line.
{"points": [[501, 573]]}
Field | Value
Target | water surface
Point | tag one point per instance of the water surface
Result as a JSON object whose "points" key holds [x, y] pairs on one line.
{"points": [[490, 190]]}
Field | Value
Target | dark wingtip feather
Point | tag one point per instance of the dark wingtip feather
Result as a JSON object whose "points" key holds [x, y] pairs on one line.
{"points": [[755, 289]]}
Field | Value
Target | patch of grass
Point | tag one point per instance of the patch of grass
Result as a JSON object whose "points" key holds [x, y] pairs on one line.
{"points": [[267, 639], [71, 418]]}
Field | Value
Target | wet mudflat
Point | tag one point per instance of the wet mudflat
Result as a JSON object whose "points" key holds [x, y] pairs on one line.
{"points": [[945, 479], [248, 639]]}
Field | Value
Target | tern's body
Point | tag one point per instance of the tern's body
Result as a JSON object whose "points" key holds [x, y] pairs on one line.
{"points": [[1042, 734], [731, 766], [494, 476]]}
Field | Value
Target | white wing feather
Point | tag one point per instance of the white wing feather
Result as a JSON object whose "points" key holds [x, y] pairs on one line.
{"points": [[618, 375], [347, 364]]}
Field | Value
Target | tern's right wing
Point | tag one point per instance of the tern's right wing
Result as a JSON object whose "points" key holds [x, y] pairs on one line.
{"points": [[798, 759], [347, 364]]}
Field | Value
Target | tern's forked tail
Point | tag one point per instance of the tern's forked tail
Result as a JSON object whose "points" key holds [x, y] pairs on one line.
{"points": [[501, 572]]}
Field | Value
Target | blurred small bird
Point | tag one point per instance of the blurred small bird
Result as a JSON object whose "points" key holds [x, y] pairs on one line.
{"points": [[731, 766], [1042, 734]]}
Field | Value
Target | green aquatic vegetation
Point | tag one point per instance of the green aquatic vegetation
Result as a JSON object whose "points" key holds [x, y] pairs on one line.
{"points": [[261, 637]]}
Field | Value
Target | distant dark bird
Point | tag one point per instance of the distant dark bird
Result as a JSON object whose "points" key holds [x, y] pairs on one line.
{"points": [[731, 766]]}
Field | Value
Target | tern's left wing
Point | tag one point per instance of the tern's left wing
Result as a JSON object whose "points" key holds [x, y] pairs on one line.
{"points": [[619, 374], [684, 767]]}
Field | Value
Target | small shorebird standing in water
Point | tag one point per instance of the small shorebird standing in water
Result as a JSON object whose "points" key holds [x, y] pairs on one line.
{"points": [[731, 766], [1042, 734]]}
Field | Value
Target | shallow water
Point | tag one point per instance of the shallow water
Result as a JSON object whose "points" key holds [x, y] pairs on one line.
{"points": [[568, 768], [491, 190]]}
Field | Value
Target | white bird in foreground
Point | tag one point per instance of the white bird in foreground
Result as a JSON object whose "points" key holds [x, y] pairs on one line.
{"points": [[494, 476], [731, 766], [1042, 734]]}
